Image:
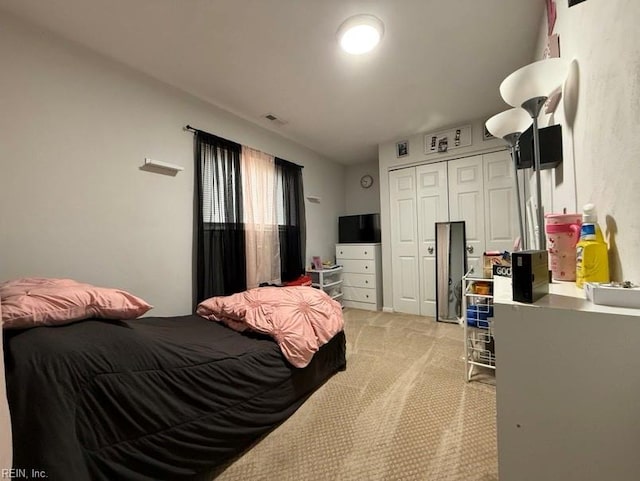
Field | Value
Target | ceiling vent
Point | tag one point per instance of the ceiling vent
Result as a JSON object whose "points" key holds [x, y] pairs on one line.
{"points": [[275, 120]]}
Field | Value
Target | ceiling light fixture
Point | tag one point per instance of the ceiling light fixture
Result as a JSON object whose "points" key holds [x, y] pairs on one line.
{"points": [[360, 34]]}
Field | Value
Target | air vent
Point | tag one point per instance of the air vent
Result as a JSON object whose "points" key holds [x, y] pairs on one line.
{"points": [[275, 120]]}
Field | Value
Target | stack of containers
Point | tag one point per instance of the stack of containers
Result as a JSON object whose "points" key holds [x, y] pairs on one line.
{"points": [[478, 314]]}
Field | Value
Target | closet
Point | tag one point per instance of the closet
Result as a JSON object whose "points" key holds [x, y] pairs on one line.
{"points": [[478, 190]]}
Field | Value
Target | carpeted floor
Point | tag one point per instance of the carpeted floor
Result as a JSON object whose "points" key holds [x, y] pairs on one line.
{"points": [[401, 411]]}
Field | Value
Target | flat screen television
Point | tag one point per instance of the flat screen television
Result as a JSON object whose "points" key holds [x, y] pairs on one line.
{"points": [[550, 147], [359, 229]]}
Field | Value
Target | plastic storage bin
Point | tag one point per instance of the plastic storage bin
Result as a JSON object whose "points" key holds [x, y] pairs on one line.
{"points": [[478, 315]]}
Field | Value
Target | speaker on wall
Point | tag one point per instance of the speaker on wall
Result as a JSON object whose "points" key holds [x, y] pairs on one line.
{"points": [[550, 147]]}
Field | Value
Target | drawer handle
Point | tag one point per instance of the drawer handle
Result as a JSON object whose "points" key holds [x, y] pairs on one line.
{"points": [[366, 267], [365, 253], [366, 282], [430, 249], [367, 296], [340, 252]]}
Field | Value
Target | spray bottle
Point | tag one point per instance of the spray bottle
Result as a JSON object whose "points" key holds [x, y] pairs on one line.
{"points": [[592, 256]]}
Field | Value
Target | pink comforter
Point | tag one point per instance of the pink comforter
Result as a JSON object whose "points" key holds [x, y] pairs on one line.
{"points": [[300, 318]]}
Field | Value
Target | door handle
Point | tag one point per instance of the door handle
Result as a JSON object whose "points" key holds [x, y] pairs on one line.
{"points": [[470, 249], [430, 249]]}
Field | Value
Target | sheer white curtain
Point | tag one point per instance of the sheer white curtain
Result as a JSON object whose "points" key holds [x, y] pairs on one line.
{"points": [[259, 191]]}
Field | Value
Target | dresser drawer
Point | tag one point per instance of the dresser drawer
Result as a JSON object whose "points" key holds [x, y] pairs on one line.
{"points": [[355, 251], [357, 266], [352, 279], [359, 294]]}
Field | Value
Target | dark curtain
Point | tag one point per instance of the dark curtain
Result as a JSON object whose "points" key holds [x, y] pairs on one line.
{"points": [[293, 232], [220, 250]]}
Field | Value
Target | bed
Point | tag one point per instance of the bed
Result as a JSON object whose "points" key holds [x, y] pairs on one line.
{"points": [[156, 398]]}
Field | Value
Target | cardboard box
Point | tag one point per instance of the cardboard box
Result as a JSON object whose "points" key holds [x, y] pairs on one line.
{"points": [[608, 295], [494, 258]]}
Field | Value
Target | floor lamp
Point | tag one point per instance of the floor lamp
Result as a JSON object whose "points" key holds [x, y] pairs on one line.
{"points": [[508, 125], [529, 87]]}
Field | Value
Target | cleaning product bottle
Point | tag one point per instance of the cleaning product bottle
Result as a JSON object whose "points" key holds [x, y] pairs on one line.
{"points": [[592, 256]]}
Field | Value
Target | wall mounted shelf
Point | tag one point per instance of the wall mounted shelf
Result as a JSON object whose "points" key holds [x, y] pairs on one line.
{"points": [[160, 167]]}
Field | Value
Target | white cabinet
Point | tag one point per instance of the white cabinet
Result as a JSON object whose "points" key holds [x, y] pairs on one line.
{"points": [[466, 202], [361, 275], [482, 193], [418, 201], [329, 280], [478, 190], [567, 388]]}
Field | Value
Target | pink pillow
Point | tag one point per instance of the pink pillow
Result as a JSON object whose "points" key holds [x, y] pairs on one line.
{"points": [[299, 318], [38, 301]]}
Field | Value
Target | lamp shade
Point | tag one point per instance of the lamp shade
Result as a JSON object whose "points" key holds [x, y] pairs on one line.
{"points": [[538, 79], [512, 121]]}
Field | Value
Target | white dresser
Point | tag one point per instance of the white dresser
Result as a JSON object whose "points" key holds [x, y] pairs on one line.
{"points": [[567, 389], [361, 275]]}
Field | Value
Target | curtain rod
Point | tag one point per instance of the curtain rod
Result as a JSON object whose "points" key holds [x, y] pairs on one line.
{"points": [[194, 130]]}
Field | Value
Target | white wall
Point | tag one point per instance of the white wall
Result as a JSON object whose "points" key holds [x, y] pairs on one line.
{"points": [[357, 199], [74, 129], [603, 140]]}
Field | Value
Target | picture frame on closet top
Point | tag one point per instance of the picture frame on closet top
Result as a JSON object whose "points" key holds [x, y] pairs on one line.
{"points": [[402, 148]]}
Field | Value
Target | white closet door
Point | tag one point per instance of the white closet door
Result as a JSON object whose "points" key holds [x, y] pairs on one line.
{"points": [[433, 206], [501, 215], [466, 202], [404, 241]]}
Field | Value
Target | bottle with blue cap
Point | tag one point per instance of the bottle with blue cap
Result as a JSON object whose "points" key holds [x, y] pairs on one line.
{"points": [[592, 253]]}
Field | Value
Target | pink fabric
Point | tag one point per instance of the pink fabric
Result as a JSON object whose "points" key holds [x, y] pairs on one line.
{"points": [[41, 301], [299, 318], [563, 228]]}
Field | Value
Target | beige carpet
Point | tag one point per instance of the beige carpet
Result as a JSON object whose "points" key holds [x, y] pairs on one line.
{"points": [[401, 411]]}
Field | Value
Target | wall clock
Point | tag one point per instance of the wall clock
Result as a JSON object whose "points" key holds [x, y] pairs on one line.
{"points": [[366, 181]]}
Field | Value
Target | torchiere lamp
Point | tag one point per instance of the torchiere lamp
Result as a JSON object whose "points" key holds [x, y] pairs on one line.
{"points": [[508, 125], [529, 87]]}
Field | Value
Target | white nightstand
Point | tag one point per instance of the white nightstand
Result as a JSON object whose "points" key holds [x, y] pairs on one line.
{"points": [[329, 280]]}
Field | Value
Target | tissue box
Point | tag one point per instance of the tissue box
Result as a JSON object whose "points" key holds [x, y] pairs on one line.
{"points": [[608, 295]]}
